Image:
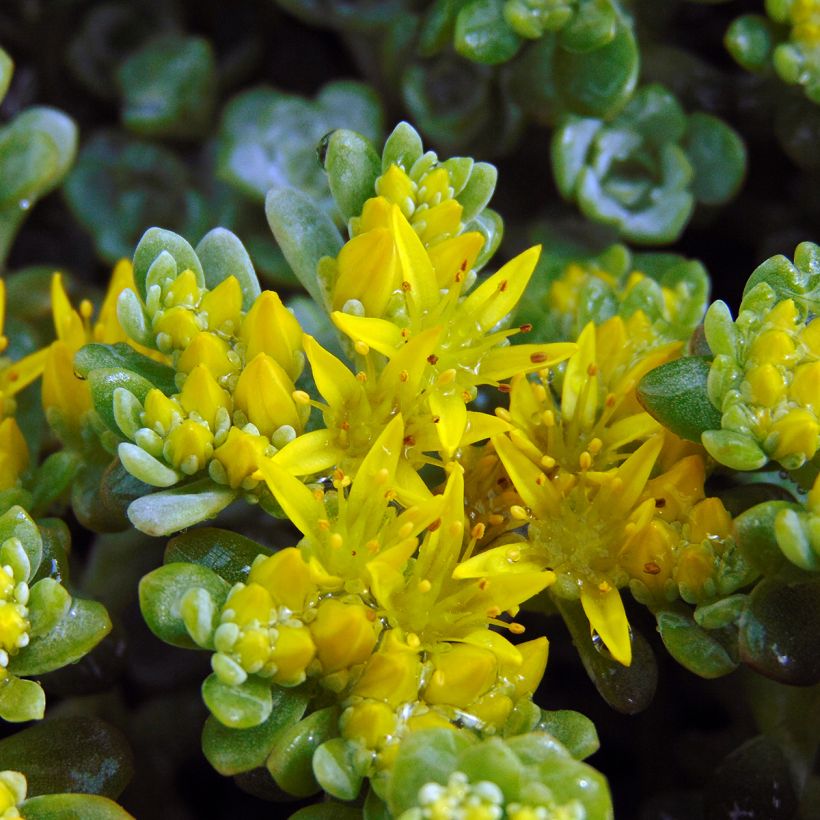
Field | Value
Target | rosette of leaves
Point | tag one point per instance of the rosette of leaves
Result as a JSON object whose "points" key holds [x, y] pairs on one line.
{"points": [[168, 87], [353, 165], [120, 186], [267, 139], [644, 171], [65, 767], [529, 775], [672, 291], [492, 31], [787, 41], [36, 150], [43, 627]]}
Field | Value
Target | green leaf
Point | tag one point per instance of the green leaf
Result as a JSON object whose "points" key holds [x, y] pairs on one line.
{"points": [[754, 532], [291, 761], [675, 394], [736, 450], [222, 254], [593, 26], [6, 72], [305, 234], [156, 240], [161, 593], [425, 756], [478, 190], [334, 766], [693, 647], [570, 148], [48, 603], [574, 730], [238, 706], [170, 511], [403, 147], [73, 807], [21, 700], [227, 553], [70, 754], [483, 35], [53, 479], [327, 810], [749, 39], [104, 381], [718, 156], [82, 627], [168, 87], [17, 523], [231, 751], [600, 82], [352, 167], [122, 356]]}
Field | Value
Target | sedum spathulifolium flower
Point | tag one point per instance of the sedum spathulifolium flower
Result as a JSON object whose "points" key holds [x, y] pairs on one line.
{"points": [[611, 499], [42, 627], [765, 377], [365, 611], [529, 776]]}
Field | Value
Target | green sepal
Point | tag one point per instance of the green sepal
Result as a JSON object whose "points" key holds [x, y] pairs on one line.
{"points": [[104, 381], [335, 769], [222, 254], [780, 631], [735, 450], [291, 760], [168, 87], [17, 523], [122, 356], [73, 807], [80, 629], [305, 234], [49, 602], [352, 167], [675, 394], [153, 242], [494, 761], [720, 614], [755, 535], [229, 554], [238, 706], [575, 731], [693, 647], [231, 751], [718, 158], [425, 756], [600, 82], [799, 281], [403, 147], [21, 700], [170, 511], [161, 593], [78, 754], [798, 539], [524, 717], [478, 190], [749, 39], [483, 35]]}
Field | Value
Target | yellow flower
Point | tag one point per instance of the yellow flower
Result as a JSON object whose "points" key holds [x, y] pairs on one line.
{"points": [[14, 455], [13, 788], [14, 623]]}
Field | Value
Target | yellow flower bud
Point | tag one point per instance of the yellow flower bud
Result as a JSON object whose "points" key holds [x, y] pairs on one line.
{"points": [[397, 187], [202, 394], [179, 324], [370, 723], [695, 566], [251, 602], [797, 434], [772, 346], [189, 446], [264, 393], [240, 455], [709, 519], [494, 708], [210, 350], [431, 719], [526, 677], [442, 220], [286, 576], [810, 336], [184, 290], [649, 556], [223, 305], [13, 625], [292, 653], [345, 634], [271, 328], [367, 270], [390, 676], [435, 187], [765, 385], [161, 411], [253, 649], [805, 386], [462, 674]]}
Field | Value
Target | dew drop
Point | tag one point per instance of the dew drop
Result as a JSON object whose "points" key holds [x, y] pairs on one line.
{"points": [[24, 204]]}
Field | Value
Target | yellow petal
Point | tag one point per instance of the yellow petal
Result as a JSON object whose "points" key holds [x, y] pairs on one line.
{"points": [[298, 502], [381, 335], [607, 617], [313, 452], [334, 381], [416, 274], [367, 271], [506, 361], [536, 490], [450, 418]]}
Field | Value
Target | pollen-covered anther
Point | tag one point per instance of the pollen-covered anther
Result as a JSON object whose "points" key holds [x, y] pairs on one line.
{"points": [[336, 541], [406, 286], [493, 612], [504, 388], [424, 585], [447, 377], [361, 347], [651, 568], [594, 447], [372, 546], [518, 512], [548, 417], [301, 397], [585, 460], [483, 584], [592, 369], [516, 628], [537, 358], [477, 531], [404, 376]]}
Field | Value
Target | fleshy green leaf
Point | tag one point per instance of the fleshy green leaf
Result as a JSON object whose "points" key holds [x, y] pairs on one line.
{"points": [[21, 700], [574, 730], [693, 647], [156, 240], [161, 593], [122, 356], [483, 35], [334, 766], [238, 706], [222, 254], [718, 157], [352, 166], [73, 807]]}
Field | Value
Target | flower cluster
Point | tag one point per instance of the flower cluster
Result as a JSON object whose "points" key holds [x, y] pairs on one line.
{"points": [[765, 378]]}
